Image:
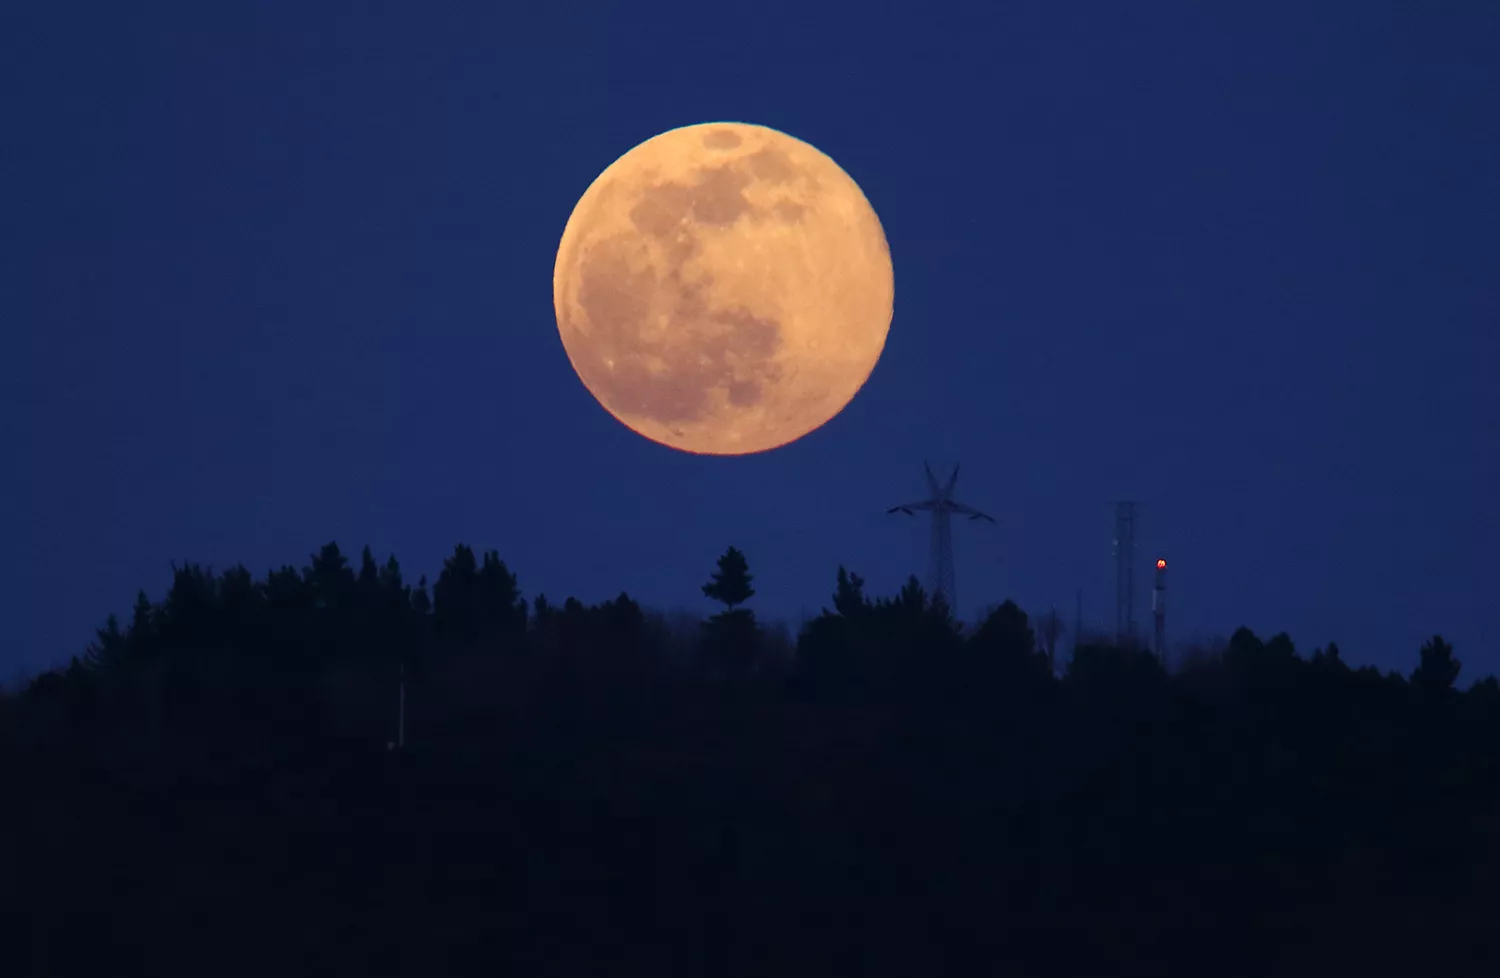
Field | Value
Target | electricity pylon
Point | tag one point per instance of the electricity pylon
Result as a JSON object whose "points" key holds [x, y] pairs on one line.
{"points": [[942, 507]]}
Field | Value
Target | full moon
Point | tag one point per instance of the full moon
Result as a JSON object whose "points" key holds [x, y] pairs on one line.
{"points": [[723, 289]]}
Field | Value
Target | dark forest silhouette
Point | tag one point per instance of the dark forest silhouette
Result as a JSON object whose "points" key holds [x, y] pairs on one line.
{"points": [[212, 788]]}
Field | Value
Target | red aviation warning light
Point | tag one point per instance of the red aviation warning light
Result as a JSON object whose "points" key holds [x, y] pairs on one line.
{"points": [[1161, 564]]}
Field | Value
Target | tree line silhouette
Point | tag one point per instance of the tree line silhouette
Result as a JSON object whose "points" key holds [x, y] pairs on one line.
{"points": [[216, 786]]}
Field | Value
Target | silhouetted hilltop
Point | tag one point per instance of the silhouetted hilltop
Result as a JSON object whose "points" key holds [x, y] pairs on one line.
{"points": [[214, 787]]}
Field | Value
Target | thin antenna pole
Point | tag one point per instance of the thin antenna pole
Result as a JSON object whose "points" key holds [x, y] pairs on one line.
{"points": [[1124, 572], [1078, 622], [1159, 612], [1052, 628], [401, 711]]}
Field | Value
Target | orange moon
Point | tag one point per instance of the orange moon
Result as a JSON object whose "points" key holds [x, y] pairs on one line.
{"points": [[723, 289]]}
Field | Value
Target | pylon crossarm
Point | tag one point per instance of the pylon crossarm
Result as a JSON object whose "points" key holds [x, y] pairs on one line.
{"points": [[970, 512]]}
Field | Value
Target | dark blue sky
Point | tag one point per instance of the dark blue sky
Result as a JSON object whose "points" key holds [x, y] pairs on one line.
{"points": [[278, 273]]}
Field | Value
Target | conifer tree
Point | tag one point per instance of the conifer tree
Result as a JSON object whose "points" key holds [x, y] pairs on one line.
{"points": [[730, 584], [731, 634], [456, 600], [142, 634], [1439, 669], [849, 598], [107, 652], [501, 611], [369, 573]]}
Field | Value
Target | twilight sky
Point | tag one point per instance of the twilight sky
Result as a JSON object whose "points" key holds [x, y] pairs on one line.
{"points": [[278, 273]]}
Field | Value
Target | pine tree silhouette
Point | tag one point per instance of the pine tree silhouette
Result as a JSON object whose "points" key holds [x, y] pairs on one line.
{"points": [[108, 652], [732, 634], [1439, 669], [730, 584]]}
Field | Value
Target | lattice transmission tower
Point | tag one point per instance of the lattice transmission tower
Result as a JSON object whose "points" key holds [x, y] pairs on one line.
{"points": [[942, 507]]}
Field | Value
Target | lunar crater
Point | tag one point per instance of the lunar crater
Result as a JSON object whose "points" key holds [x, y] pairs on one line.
{"points": [[772, 166], [789, 211], [660, 348], [721, 139]]}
